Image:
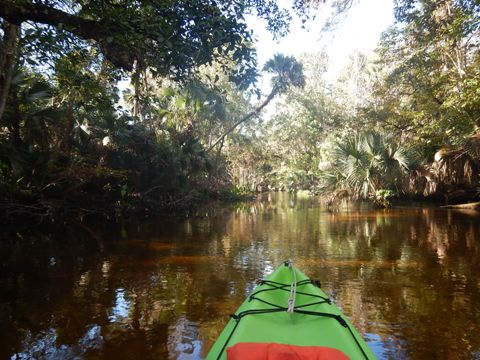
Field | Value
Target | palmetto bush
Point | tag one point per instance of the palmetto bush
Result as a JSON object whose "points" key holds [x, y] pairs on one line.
{"points": [[366, 164]]}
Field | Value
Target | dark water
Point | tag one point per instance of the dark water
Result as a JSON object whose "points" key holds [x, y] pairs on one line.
{"points": [[408, 278]]}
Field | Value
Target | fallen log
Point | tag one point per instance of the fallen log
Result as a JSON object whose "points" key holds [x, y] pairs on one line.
{"points": [[474, 206]]}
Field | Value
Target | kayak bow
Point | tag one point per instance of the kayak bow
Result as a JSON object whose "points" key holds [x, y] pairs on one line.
{"points": [[289, 308]]}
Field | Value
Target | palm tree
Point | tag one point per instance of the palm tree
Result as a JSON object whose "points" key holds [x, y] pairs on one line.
{"points": [[367, 165], [30, 111], [287, 72]]}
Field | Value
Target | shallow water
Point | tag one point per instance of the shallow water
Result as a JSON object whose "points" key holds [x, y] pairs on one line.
{"points": [[408, 278]]}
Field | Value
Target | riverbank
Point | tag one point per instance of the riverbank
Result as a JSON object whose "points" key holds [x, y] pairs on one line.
{"points": [[37, 209]]}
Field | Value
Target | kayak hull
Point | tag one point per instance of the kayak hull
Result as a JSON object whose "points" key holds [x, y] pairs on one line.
{"points": [[315, 321]]}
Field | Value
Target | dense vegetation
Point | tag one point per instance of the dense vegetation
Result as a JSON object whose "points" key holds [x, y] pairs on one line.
{"points": [[186, 129], [403, 122]]}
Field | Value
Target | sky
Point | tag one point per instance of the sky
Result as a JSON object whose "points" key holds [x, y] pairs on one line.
{"points": [[360, 31]]}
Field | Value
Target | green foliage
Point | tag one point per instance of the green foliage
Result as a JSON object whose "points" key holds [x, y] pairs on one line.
{"points": [[171, 38], [66, 139], [382, 197], [431, 59], [240, 191], [189, 129], [421, 89], [366, 164], [286, 70], [64, 134], [293, 137]]}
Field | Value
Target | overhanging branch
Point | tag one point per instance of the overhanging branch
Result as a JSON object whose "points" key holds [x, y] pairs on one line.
{"points": [[17, 12]]}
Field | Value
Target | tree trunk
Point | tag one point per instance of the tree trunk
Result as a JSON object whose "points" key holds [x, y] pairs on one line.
{"points": [[219, 151], [15, 123], [137, 112], [7, 61], [67, 140], [137, 91], [245, 118]]}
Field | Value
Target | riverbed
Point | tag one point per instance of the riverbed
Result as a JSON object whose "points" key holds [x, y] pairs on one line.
{"points": [[163, 288]]}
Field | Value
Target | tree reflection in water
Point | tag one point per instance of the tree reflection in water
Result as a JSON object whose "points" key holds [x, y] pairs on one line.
{"points": [[407, 277]]}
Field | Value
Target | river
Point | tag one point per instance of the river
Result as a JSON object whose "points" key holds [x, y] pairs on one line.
{"points": [[408, 278]]}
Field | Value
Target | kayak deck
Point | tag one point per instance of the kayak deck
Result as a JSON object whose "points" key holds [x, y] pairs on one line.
{"points": [[313, 321]]}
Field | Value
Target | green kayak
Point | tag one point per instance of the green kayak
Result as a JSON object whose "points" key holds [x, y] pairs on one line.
{"points": [[289, 308]]}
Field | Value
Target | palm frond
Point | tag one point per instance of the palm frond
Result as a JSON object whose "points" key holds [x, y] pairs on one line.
{"points": [[366, 163]]}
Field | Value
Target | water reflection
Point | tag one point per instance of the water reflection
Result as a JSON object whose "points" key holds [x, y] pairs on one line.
{"points": [[120, 311], [45, 345], [183, 340], [407, 277]]}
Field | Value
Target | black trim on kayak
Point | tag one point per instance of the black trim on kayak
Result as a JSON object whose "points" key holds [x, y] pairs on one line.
{"points": [[286, 287], [314, 303], [277, 308], [302, 282], [239, 316], [328, 301], [264, 281]]}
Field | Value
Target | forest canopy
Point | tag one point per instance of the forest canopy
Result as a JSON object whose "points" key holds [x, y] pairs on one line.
{"points": [[401, 122]]}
